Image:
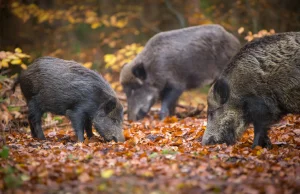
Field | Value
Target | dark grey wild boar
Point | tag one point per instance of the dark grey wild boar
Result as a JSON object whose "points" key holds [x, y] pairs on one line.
{"points": [[173, 62], [259, 86], [67, 88]]}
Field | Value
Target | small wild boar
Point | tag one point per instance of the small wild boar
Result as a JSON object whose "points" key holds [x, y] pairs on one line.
{"points": [[173, 62], [259, 86], [67, 88]]}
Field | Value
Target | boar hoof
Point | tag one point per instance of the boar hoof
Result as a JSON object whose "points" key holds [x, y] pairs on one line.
{"points": [[163, 115], [40, 136], [266, 143]]}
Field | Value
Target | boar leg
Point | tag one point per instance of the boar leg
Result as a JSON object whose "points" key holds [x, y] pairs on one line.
{"points": [[169, 99], [261, 117], [78, 120], [35, 122], [33, 133], [88, 128], [261, 137]]}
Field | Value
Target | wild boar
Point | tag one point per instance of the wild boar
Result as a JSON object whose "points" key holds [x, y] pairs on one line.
{"points": [[172, 62], [67, 88], [259, 86]]}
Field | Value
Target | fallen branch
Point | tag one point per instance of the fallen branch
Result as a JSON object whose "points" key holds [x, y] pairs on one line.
{"points": [[195, 111], [50, 125]]}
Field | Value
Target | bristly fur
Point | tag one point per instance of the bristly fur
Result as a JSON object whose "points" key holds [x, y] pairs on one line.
{"points": [[178, 60], [67, 88], [264, 82]]}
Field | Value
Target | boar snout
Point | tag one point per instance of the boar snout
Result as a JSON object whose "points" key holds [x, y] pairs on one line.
{"points": [[208, 140], [112, 135], [119, 138], [137, 113], [141, 114]]}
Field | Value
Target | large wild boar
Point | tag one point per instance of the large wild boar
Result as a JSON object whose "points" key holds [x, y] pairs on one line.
{"points": [[173, 62], [67, 88], [259, 86]]}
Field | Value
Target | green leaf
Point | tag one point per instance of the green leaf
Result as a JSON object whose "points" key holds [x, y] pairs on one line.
{"points": [[12, 181], [4, 152], [153, 155], [13, 108], [166, 151], [25, 177], [2, 100], [2, 77], [58, 118]]}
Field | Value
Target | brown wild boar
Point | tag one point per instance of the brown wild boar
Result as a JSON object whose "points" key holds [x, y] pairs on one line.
{"points": [[259, 86]]}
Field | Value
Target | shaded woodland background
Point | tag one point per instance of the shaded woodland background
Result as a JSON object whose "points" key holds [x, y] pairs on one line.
{"points": [[105, 34], [86, 31]]}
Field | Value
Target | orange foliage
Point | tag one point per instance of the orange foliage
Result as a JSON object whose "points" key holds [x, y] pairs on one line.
{"points": [[157, 156]]}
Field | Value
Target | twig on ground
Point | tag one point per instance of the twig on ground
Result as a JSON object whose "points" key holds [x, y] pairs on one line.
{"points": [[191, 111]]}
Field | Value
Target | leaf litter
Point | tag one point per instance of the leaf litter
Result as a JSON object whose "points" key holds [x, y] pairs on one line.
{"points": [[157, 157]]}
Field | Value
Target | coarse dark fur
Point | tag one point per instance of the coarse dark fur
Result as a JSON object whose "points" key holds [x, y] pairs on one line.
{"points": [[67, 88], [259, 86], [173, 62]]}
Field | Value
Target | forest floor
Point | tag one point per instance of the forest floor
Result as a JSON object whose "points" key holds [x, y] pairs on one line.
{"points": [[157, 157]]}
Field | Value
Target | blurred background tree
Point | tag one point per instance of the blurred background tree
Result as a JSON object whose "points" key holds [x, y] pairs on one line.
{"points": [[104, 34]]}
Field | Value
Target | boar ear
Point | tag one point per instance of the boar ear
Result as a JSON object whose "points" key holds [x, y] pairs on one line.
{"points": [[110, 106], [139, 71], [221, 91]]}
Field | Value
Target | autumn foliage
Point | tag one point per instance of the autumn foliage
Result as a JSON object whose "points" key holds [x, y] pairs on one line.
{"points": [[157, 156]]}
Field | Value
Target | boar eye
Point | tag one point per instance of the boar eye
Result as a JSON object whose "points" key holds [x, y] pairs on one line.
{"points": [[210, 113], [110, 106]]}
